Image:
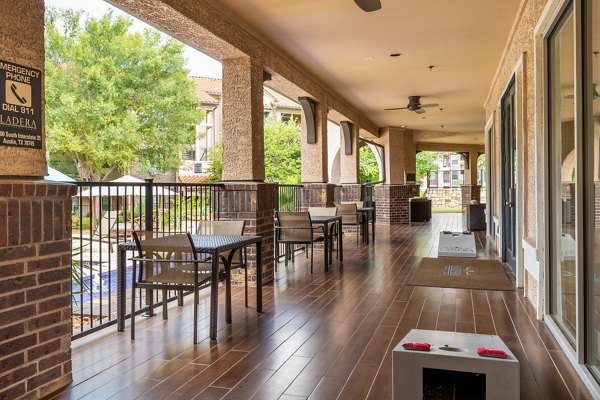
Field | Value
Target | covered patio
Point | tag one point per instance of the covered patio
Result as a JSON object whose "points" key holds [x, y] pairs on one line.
{"points": [[516, 80], [321, 336]]}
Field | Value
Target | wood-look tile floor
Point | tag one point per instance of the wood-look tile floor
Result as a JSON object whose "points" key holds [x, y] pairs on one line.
{"points": [[321, 336]]}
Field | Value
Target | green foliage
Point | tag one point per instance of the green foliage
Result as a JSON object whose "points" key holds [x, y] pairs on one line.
{"points": [[368, 167], [481, 162], [115, 98], [215, 166], [425, 164], [283, 162]]}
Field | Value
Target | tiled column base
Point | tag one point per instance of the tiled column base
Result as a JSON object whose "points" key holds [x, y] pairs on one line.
{"points": [[468, 193], [252, 202], [316, 195], [350, 192], [391, 203], [35, 288]]}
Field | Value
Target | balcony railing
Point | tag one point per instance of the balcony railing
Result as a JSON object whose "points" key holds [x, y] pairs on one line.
{"points": [[288, 197], [104, 214]]}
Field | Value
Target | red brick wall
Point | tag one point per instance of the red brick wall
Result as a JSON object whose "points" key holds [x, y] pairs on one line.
{"points": [[391, 203], [351, 192], [35, 288], [316, 195], [252, 202], [468, 193]]}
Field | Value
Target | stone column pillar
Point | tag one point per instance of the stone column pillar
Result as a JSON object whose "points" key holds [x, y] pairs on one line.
{"points": [[243, 120], [391, 199], [349, 162], [471, 172], [316, 192], [314, 155], [245, 196]]}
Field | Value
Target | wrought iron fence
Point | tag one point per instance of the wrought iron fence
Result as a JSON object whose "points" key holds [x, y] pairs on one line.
{"points": [[288, 197], [104, 214]]}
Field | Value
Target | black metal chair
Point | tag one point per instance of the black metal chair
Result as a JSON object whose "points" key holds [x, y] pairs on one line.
{"points": [[296, 228], [351, 217], [165, 262]]}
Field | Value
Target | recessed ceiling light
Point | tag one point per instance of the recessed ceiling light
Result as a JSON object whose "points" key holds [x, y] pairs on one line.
{"points": [[395, 54], [403, 126], [369, 58]]}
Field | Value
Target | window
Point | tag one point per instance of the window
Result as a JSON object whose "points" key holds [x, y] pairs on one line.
{"points": [[454, 175]]}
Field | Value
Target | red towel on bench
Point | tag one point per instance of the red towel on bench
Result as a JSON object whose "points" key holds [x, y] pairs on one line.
{"points": [[483, 351], [416, 346]]}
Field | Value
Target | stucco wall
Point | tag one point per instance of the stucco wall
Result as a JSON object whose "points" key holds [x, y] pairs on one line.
{"points": [[22, 42], [520, 44]]}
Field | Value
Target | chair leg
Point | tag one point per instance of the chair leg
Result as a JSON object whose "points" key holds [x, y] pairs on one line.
{"points": [[196, 301], [132, 312], [312, 253], [164, 304], [228, 294], [246, 284]]}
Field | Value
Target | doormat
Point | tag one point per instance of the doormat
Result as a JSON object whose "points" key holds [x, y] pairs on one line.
{"points": [[461, 273]]}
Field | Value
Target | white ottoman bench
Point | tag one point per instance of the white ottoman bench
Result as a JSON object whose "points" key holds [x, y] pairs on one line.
{"points": [[501, 375]]}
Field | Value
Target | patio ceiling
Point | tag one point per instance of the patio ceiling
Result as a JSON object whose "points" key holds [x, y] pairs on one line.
{"points": [[350, 49]]}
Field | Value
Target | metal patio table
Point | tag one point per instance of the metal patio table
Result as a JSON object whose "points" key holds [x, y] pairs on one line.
{"points": [[206, 244], [326, 221]]}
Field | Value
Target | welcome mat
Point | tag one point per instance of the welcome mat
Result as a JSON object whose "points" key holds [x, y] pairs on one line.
{"points": [[461, 273]]}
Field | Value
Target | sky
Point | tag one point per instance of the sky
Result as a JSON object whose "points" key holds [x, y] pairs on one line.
{"points": [[198, 63]]}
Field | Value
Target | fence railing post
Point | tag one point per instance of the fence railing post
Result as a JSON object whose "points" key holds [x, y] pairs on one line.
{"points": [[149, 205]]}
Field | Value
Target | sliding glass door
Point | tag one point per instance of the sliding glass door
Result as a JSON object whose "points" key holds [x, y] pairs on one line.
{"points": [[591, 125], [562, 172]]}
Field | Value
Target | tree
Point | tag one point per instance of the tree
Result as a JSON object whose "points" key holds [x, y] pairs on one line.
{"points": [[283, 161], [115, 98], [426, 164], [283, 153], [368, 167]]}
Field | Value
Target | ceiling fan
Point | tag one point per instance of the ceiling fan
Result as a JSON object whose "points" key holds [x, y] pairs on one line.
{"points": [[368, 5], [414, 104]]}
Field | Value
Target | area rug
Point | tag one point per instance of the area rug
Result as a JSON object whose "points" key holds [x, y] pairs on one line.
{"points": [[461, 273]]}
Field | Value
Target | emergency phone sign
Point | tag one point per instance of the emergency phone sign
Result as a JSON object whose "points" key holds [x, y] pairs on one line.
{"points": [[20, 106]]}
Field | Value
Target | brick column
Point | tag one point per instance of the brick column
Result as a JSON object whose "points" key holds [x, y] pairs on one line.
{"points": [[252, 202], [35, 288], [350, 192], [468, 193], [391, 203], [317, 195]]}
